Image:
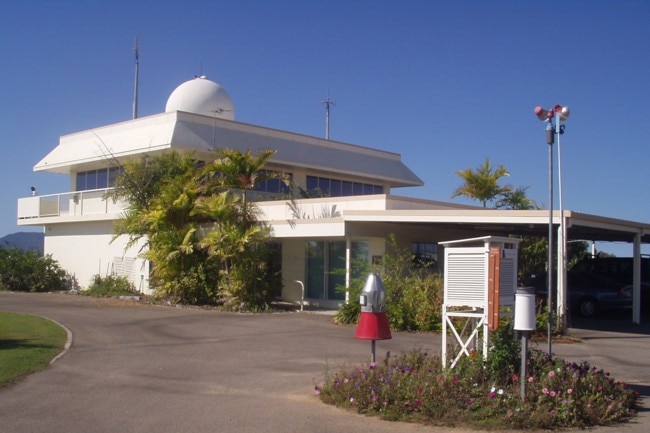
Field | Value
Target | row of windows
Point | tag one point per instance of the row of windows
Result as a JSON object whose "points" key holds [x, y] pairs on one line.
{"points": [[274, 186], [316, 186], [97, 179], [326, 187], [105, 178]]}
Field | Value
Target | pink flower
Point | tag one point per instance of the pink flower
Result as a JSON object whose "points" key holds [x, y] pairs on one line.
{"points": [[545, 391], [553, 393], [569, 391], [551, 373], [531, 379]]}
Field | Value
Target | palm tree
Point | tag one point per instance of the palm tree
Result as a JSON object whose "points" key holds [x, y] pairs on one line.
{"points": [[483, 184], [203, 240], [516, 199], [242, 171], [141, 184]]}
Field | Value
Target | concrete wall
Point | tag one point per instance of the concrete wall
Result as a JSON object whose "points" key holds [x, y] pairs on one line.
{"points": [[293, 268], [85, 250]]}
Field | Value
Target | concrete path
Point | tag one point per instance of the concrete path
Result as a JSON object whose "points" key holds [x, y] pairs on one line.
{"points": [[135, 368]]}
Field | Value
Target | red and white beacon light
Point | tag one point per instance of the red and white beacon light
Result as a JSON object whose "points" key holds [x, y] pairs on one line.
{"points": [[373, 322]]}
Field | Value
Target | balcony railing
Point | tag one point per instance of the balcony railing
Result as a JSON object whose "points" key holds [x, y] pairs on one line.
{"points": [[69, 204]]}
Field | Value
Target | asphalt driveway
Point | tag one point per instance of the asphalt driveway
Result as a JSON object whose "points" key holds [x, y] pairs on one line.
{"points": [[135, 368]]}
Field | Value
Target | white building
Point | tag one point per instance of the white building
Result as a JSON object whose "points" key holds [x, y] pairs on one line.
{"points": [[353, 218]]}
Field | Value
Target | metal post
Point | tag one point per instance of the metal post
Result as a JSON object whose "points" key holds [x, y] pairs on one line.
{"points": [[524, 355], [302, 294], [636, 280], [136, 50], [561, 243], [328, 104], [549, 274], [553, 118], [372, 352]]}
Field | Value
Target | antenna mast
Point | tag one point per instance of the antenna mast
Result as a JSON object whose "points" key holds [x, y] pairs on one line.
{"points": [[328, 104], [136, 50]]}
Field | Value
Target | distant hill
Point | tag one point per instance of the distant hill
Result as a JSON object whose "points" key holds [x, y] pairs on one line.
{"points": [[23, 241]]}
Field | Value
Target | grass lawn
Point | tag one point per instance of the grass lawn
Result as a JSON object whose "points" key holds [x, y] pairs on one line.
{"points": [[27, 344]]}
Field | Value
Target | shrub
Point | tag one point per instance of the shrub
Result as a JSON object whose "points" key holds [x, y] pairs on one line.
{"points": [[29, 271], [195, 285], [111, 285], [251, 283], [414, 387], [413, 294], [504, 358]]}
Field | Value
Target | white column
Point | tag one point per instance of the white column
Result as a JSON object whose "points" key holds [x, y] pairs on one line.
{"points": [[636, 291], [348, 255]]}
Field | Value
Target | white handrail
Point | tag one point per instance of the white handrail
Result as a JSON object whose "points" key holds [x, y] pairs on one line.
{"points": [[73, 203]]}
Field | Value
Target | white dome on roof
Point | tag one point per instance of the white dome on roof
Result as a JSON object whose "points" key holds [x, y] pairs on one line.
{"points": [[201, 96]]}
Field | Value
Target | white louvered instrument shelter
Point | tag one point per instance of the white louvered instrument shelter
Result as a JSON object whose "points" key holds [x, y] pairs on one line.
{"points": [[470, 265]]}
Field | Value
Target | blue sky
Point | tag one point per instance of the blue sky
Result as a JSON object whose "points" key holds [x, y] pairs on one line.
{"points": [[444, 83]]}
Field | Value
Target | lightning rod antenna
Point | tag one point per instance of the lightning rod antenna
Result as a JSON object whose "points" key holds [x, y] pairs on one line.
{"points": [[136, 50], [328, 104]]}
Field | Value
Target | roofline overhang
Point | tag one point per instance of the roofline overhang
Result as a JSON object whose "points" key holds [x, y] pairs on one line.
{"points": [[202, 134]]}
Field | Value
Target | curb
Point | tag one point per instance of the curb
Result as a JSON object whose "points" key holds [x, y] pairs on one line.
{"points": [[67, 344]]}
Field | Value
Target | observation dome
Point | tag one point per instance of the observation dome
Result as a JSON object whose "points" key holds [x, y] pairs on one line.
{"points": [[201, 96]]}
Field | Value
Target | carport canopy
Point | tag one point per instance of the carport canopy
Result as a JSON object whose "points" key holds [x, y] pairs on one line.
{"points": [[450, 224]]}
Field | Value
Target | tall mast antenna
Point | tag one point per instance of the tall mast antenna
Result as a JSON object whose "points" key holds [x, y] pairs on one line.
{"points": [[328, 104], [136, 50]]}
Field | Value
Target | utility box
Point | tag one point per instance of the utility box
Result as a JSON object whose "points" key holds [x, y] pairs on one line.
{"points": [[480, 279]]}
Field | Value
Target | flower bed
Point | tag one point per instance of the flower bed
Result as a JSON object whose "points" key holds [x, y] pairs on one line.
{"points": [[414, 387]]}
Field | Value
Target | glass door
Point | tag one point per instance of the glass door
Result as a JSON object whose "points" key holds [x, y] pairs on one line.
{"points": [[325, 265]]}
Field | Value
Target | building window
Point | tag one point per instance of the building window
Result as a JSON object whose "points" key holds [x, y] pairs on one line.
{"points": [[81, 181], [97, 179], [274, 186], [425, 254], [326, 187]]}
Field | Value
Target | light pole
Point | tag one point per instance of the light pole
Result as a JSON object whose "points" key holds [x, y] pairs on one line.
{"points": [[562, 296], [554, 119]]}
